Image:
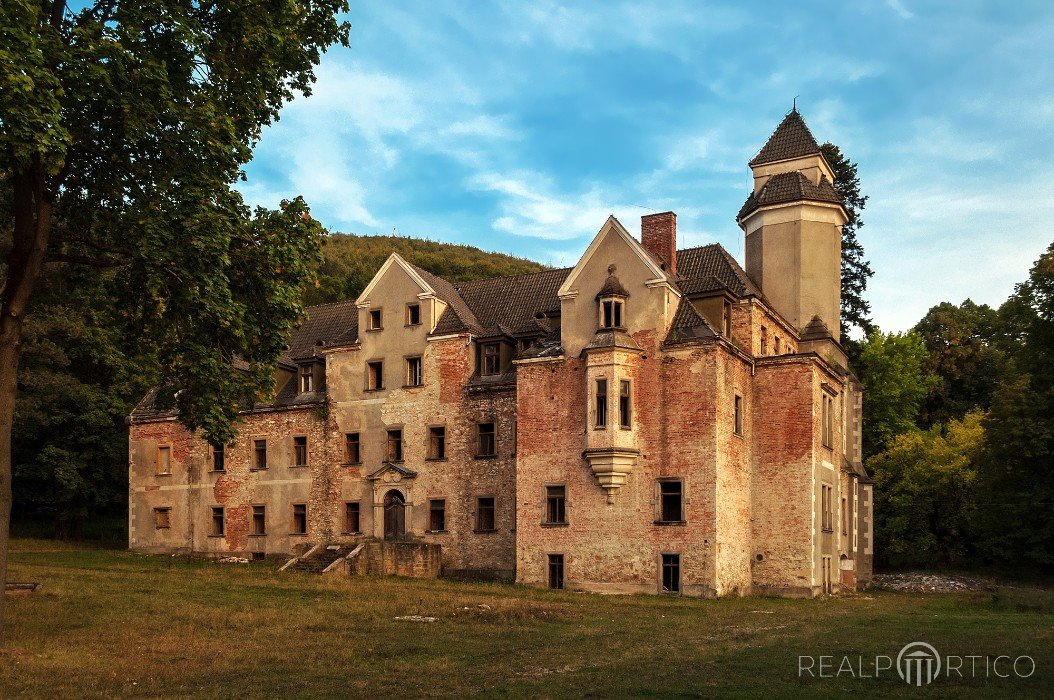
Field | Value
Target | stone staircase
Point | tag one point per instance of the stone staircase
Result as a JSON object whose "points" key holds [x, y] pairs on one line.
{"points": [[319, 558]]}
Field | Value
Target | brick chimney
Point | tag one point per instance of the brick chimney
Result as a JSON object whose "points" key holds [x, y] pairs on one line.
{"points": [[658, 233]]}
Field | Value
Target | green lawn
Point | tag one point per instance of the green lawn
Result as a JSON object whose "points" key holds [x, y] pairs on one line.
{"points": [[111, 623]]}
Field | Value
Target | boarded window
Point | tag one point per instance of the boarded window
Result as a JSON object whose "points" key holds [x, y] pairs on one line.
{"points": [[300, 451], [602, 403], [485, 513], [414, 376], [413, 314], [437, 442], [625, 403], [375, 320], [352, 454], [374, 375], [556, 571], [556, 505], [352, 524], [395, 445], [259, 520], [217, 522], [437, 515], [671, 502], [162, 518], [738, 417], [259, 454], [491, 359], [487, 442], [671, 573], [219, 458], [307, 378], [299, 518], [164, 460]]}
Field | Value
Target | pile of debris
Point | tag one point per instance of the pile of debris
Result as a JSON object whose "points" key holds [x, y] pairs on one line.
{"points": [[932, 583]]}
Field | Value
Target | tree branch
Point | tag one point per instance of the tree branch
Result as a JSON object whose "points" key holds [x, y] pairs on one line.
{"points": [[84, 260]]}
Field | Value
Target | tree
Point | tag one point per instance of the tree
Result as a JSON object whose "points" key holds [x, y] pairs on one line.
{"points": [[1015, 470], [962, 356], [925, 496], [856, 311], [123, 127], [891, 371]]}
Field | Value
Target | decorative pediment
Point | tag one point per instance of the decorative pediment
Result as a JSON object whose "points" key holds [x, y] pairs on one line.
{"points": [[392, 473]]}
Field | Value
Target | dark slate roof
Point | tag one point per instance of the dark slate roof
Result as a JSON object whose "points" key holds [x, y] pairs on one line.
{"points": [[710, 267], [508, 305], [816, 330], [688, 324], [791, 139], [789, 187], [322, 325], [612, 287], [612, 338]]}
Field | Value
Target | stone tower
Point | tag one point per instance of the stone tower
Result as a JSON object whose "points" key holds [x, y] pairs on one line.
{"points": [[793, 224]]}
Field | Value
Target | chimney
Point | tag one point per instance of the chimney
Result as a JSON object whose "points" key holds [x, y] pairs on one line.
{"points": [[658, 233]]}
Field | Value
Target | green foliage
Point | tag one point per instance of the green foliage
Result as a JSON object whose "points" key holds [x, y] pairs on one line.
{"points": [[962, 356], [855, 310], [895, 384], [351, 261], [925, 494]]}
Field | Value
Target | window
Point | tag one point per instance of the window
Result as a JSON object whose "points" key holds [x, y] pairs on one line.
{"points": [[437, 515], [259, 454], [556, 571], [374, 375], [491, 359], [737, 424], [351, 518], [611, 313], [624, 404], [299, 518], [671, 573], [485, 514], [413, 372], [437, 442], [162, 518], [217, 522], [602, 403], [827, 421], [487, 442], [259, 520], [671, 502], [764, 340], [375, 320], [395, 445], [219, 458], [413, 314], [726, 319], [845, 516], [307, 378], [556, 505], [164, 460], [826, 493], [352, 453], [776, 344], [300, 451]]}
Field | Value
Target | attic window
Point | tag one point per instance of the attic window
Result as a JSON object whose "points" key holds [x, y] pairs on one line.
{"points": [[307, 378], [413, 314], [611, 313], [491, 359], [375, 320]]}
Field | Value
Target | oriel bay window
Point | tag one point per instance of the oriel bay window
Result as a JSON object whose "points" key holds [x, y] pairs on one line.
{"points": [[625, 404], [611, 313], [556, 505], [602, 403], [395, 445]]}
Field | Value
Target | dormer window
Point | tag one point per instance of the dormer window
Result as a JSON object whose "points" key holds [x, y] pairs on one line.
{"points": [[307, 378], [491, 364], [375, 320], [610, 299]]}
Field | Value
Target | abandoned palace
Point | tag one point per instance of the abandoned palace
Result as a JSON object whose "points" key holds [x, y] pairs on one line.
{"points": [[652, 419]]}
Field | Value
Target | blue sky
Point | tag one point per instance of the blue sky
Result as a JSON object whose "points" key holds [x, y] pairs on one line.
{"points": [[519, 127]]}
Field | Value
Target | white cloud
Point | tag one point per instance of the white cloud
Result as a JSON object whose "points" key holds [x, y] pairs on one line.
{"points": [[898, 7]]}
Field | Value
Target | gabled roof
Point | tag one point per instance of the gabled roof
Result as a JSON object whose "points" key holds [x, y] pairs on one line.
{"points": [[613, 227], [791, 139], [789, 187], [709, 268]]}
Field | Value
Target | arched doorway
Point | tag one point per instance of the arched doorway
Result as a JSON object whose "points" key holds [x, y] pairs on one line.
{"points": [[394, 515]]}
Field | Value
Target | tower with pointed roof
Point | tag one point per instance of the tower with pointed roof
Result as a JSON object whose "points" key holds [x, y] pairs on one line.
{"points": [[793, 222]]}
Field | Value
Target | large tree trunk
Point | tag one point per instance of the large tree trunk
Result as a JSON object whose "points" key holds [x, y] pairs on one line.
{"points": [[32, 210]]}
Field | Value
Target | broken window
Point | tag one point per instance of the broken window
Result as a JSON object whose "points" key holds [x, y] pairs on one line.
{"points": [[826, 493], [414, 376], [671, 502], [413, 314], [164, 460], [374, 375], [556, 571], [487, 442], [395, 445], [737, 424], [300, 451], [307, 378], [219, 458], [259, 520], [624, 404], [611, 313], [162, 518], [375, 320], [352, 454], [485, 513], [827, 422], [351, 518], [217, 522], [602, 403], [437, 442], [299, 518], [671, 573], [260, 454], [437, 515], [491, 359], [555, 505]]}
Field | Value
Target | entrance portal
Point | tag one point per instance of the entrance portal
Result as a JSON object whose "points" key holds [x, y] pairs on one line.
{"points": [[394, 515]]}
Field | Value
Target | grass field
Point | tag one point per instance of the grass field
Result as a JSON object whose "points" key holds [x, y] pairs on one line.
{"points": [[111, 623]]}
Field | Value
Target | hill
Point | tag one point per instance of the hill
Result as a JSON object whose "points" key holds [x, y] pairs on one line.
{"points": [[351, 261]]}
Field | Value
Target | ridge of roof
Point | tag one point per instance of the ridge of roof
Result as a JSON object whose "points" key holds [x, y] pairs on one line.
{"points": [[791, 139]]}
